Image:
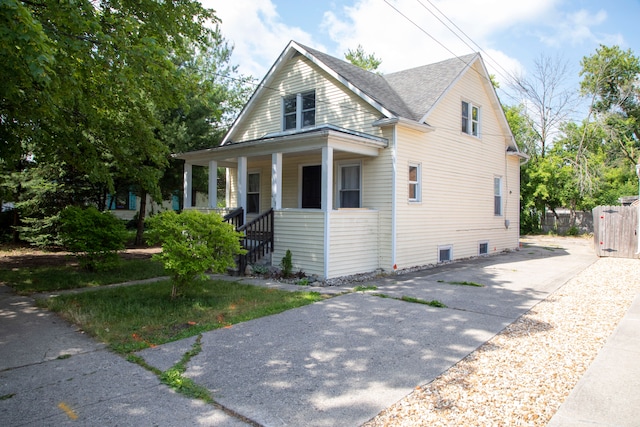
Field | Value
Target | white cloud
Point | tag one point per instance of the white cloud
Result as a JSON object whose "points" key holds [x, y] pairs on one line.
{"points": [[405, 33], [576, 28], [256, 32]]}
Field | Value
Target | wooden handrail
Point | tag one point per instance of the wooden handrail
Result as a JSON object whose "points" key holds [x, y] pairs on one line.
{"points": [[235, 217], [257, 240]]}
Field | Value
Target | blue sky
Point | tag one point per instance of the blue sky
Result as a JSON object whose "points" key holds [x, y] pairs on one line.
{"points": [[510, 34]]}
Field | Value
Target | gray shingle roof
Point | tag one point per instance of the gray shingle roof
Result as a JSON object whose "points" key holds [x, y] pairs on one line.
{"points": [[409, 94]]}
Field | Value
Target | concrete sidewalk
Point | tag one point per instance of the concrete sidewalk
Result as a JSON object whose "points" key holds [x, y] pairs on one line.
{"points": [[609, 392], [338, 362]]}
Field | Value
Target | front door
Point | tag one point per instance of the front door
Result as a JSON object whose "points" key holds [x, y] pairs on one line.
{"points": [[312, 187]]}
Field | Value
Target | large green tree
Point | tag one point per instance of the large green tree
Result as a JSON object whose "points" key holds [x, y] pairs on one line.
{"points": [[611, 77], [89, 87]]}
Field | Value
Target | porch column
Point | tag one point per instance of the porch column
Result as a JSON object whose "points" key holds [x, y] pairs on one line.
{"points": [[242, 185], [327, 202], [327, 179], [187, 184], [276, 181], [213, 184]]}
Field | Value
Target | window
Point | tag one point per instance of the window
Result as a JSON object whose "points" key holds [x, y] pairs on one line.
{"points": [[414, 183], [349, 185], [299, 111], [122, 200], [444, 253], [483, 248], [470, 119], [253, 192], [497, 196]]}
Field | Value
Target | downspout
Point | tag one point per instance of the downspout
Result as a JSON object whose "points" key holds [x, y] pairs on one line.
{"points": [[394, 171]]}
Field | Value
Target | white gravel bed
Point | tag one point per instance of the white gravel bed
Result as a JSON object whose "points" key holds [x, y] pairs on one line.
{"points": [[522, 375]]}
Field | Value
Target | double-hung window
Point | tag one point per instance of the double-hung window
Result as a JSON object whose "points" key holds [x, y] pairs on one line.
{"points": [[253, 192], [299, 110], [414, 183], [349, 185], [470, 119], [497, 196]]}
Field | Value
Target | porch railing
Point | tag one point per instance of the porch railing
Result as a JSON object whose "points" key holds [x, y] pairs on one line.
{"points": [[257, 240], [235, 217]]}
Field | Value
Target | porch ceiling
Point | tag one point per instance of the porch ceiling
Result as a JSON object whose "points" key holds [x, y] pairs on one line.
{"points": [[309, 140]]}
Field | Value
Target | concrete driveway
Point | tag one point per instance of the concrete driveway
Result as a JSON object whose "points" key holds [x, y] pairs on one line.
{"points": [[341, 361]]}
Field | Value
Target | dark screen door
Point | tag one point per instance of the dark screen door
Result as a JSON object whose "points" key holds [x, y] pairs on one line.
{"points": [[311, 187]]}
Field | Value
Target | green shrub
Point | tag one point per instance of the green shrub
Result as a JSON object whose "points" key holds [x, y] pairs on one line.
{"points": [[95, 237], [286, 264], [573, 231], [193, 243]]}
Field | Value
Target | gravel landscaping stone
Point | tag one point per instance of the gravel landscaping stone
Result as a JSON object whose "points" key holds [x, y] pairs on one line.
{"points": [[522, 375]]}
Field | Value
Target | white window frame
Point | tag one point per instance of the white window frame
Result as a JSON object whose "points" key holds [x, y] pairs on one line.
{"points": [[340, 166], [472, 125], [445, 248], [300, 112], [498, 201], [254, 172], [484, 242], [417, 183]]}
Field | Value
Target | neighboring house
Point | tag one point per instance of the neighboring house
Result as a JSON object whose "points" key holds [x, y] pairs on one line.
{"points": [[126, 204], [370, 172]]}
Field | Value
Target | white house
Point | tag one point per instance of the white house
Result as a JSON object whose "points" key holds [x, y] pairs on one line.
{"points": [[366, 171]]}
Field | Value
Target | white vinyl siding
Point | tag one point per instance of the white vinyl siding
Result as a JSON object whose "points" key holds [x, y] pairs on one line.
{"points": [[458, 188], [302, 232], [353, 235], [334, 104]]}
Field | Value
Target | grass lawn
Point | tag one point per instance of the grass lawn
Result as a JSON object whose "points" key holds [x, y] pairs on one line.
{"points": [[53, 278], [131, 318]]}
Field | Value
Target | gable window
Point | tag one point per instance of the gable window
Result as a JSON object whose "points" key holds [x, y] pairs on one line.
{"points": [[349, 185], [445, 253], [470, 119], [497, 196], [299, 110], [253, 192], [414, 183]]}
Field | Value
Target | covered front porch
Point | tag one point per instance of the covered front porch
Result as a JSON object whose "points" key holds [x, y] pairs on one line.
{"points": [[312, 180]]}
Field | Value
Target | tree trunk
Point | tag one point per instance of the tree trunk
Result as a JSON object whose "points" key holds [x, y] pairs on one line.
{"points": [[141, 214]]}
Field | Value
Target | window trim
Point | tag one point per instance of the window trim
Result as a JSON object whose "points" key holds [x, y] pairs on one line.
{"points": [[445, 248], [339, 166], [417, 183], [498, 201], [299, 110], [483, 242], [469, 121], [259, 192]]}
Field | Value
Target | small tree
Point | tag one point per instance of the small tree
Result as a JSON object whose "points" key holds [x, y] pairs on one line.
{"points": [[193, 243], [95, 237]]}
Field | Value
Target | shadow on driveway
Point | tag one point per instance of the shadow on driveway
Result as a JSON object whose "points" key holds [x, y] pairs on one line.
{"points": [[343, 360]]}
